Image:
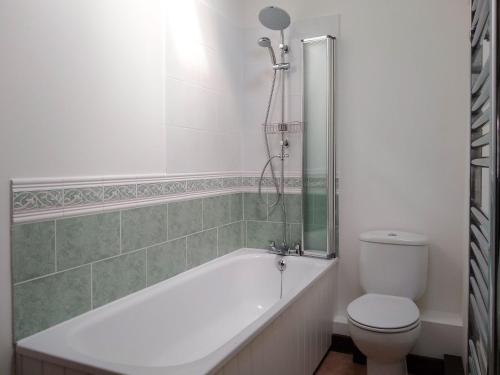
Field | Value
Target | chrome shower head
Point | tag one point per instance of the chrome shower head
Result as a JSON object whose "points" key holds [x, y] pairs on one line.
{"points": [[266, 43], [274, 18]]}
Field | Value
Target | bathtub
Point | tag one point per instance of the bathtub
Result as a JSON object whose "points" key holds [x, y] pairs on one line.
{"points": [[224, 317]]}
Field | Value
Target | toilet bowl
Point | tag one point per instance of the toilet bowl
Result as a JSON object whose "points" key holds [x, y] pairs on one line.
{"points": [[385, 323], [384, 328]]}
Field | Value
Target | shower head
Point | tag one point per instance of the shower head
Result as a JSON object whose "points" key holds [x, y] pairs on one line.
{"points": [[274, 18], [266, 43]]}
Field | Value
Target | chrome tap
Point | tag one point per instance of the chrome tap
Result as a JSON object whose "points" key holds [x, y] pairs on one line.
{"points": [[285, 249], [297, 249]]}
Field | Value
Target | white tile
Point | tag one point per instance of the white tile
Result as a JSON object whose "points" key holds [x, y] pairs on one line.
{"points": [[177, 102]]}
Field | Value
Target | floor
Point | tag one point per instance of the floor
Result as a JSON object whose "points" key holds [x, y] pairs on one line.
{"points": [[337, 363], [340, 364]]}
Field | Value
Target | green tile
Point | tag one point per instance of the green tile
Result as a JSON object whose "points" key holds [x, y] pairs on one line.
{"points": [[216, 211], [86, 239], [236, 207], [294, 234], [201, 247], [166, 260], [230, 238], [320, 209], [261, 233], [33, 250], [144, 227], [293, 206], [44, 302], [315, 238], [309, 208], [184, 218], [117, 277], [255, 206]]}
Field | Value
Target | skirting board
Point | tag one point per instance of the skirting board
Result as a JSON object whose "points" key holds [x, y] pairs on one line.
{"points": [[440, 334], [417, 365]]}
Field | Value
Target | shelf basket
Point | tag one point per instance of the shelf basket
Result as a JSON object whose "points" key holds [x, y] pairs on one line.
{"points": [[284, 127]]}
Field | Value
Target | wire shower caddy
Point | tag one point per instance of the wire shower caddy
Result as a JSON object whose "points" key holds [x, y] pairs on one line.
{"points": [[284, 127]]}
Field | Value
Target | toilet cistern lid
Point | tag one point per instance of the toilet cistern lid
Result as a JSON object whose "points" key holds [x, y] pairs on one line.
{"points": [[383, 311], [394, 237]]}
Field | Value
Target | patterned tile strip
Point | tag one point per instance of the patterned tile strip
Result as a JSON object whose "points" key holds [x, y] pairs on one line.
{"points": [[149, 190], [37, 200], [119, 193], [83, 196], [174, 187], [57, 199]]}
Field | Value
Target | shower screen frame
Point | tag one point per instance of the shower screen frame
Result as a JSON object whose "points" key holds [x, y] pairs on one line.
{"points": [[331, 250]]}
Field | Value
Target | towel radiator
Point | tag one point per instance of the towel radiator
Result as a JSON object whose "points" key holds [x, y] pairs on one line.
{"points": [[483, 235]]}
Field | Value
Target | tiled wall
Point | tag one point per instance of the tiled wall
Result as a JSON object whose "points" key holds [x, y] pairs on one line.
{"points": [[264, 221], [202, 87], [65, 267]]}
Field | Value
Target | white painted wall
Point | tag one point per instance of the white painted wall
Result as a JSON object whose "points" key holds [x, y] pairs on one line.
{"points": [[87, 89], [402, 109]]}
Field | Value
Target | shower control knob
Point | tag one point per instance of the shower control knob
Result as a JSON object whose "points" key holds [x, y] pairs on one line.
{"points": [[284, 47]]}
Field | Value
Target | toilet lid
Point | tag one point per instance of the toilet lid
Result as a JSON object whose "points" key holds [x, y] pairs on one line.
{"points": [[383, 311]]}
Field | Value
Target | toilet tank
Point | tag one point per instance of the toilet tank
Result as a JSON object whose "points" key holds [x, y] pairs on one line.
{"points": [[394, 263]]}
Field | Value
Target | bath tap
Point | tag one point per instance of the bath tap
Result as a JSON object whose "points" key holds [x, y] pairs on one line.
{"points": [[280, 249], [297, 249], [285, 249]]}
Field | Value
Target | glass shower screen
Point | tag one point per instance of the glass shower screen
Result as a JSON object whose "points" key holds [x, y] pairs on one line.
{"points": [[319, 202]]}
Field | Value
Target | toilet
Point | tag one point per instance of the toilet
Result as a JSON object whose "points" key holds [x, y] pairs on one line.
{"points": [[385, 323]]}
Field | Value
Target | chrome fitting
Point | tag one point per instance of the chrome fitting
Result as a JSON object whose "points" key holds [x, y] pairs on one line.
{"points": [[281, 66]]}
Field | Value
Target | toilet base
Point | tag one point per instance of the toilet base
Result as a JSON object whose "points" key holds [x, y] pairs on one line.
{"points": [[394, 368]]}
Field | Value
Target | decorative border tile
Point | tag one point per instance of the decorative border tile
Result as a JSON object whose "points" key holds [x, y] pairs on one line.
{"points": [[228, 182], [34, 200], [149, 190], [174, 187], [37, 200], [293, 182], [83, 196], [204, 184], [119, 192]]}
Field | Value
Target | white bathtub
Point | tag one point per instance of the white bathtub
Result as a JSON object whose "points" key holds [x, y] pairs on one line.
{"points": [[225, 316]]}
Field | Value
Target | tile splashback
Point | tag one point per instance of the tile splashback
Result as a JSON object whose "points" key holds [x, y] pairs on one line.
{"points": [[67, 265]]}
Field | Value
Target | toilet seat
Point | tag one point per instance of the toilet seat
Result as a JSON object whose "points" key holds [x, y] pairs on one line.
{"points": [[384, 313]]}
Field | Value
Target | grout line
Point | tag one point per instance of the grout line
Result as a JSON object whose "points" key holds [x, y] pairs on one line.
{"points": [[146, 270], [121, 239], [166, 221], [185, 254], [55, 246], [91, 287], [230, 206], [202, 211]]}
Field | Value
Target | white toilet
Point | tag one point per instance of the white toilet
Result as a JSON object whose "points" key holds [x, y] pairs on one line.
{"points": [[385, 322]]}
